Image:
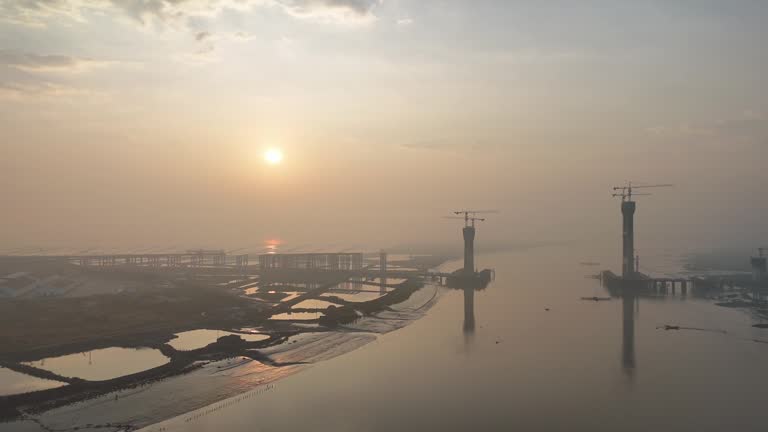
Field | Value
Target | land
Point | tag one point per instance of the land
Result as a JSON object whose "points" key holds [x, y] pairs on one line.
{"points": [[37, 328], [158, 306]]}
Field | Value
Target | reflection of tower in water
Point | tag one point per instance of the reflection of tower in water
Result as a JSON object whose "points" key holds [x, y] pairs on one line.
{"points": [[469, 310], [628, 299]]}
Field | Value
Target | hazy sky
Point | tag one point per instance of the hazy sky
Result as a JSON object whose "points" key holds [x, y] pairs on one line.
{"points": [[144, 121]]}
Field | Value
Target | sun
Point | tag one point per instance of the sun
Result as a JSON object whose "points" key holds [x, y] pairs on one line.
{"points": [[273, 156]]}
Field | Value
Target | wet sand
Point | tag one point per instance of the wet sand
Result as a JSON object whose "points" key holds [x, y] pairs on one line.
{"points": [[278, 356], [234, 377]]}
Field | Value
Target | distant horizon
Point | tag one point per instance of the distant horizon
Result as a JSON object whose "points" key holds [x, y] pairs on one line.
{"points": [[366, 121]]}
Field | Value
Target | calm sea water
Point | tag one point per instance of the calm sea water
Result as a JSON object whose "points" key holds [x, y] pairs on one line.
{"points": [[537, 358]]}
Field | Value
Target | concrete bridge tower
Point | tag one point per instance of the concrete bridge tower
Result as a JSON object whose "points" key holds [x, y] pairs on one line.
{"points": [[628, 207], [470, 218], [469, 249], [628, 255]]}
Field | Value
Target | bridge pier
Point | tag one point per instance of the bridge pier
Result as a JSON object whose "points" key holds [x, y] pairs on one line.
{"points": [[469, 249], [628, 239]]}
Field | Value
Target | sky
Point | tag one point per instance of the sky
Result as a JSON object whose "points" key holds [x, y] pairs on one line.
{"points": [[144, 122]]}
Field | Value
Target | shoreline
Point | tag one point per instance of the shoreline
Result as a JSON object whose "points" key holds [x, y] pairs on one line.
{"points": [[182, 363]]}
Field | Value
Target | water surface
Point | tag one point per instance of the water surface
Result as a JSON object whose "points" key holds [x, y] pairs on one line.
{"points": [[529, 354], [103, 364], [297, 316], [12, 382], [314, 304], [194, 339], [354, 296]]}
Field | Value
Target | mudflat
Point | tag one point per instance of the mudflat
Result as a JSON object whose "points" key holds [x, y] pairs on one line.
{"points": [[37, 328]]}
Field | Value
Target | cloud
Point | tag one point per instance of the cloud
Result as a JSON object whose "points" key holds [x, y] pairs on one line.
{"points": [[200, 57], [239, 36], [746, 127], [338, 11], [30, 62], [403, 22], [242, 36], [36, 12], [17, 90], [26, 76], [207, 43], [177, 13], [174, 13], [202, 36], [427, 145], [447, 145]]}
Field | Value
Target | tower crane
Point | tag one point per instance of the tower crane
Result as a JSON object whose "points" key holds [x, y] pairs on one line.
{"points": [[470, 216], [468, 221], [626, 192]]}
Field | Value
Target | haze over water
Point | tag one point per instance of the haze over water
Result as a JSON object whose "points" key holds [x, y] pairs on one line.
{"points": [[527, 368], [187, 130]]}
